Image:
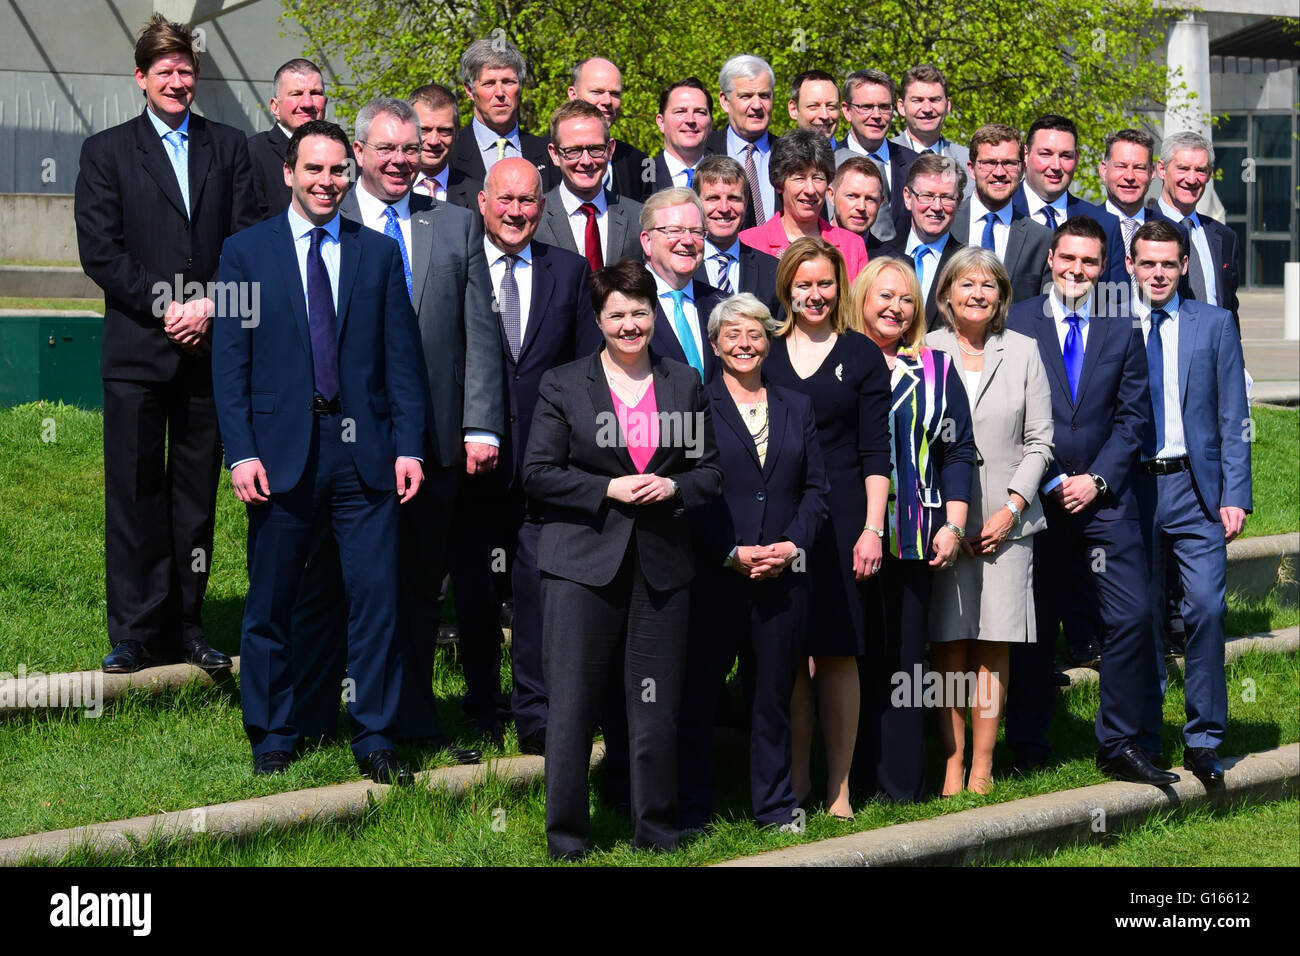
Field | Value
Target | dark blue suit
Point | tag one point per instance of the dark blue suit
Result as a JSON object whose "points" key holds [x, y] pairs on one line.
{"points": [[320, 467], [1223, 252], [664, 340], [1180, 514], [1116, 269], [1094, 557], [784, 499]]}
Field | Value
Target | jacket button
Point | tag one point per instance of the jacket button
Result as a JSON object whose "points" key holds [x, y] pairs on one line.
{"points": [[513, 419], [761, 496], [1074, 428]]}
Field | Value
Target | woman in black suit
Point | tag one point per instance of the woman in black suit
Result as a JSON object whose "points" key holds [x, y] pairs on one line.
{"points": [[621, 446], [751, 588]]}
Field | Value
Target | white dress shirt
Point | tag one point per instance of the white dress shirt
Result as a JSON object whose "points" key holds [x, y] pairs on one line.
{"points": [[1202, 243], [523, 278], [930, 264], [374, 214], [487, 144], [733, 267], [664, 291], [578, 220], [1062, 330], [1037, 202], [762, 157], [1001, 226], [676, 169], [1175, 445]]}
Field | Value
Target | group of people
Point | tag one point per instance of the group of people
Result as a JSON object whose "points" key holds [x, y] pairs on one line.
{"points": [[877, 418]]}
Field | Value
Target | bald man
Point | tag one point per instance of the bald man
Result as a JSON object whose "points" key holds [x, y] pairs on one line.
{"points": [[599, 82]]}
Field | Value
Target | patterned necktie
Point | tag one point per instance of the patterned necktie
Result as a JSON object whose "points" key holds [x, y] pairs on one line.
{"points": [[724, 273], [683, 330], [1073, 354], [751, 180], [502, 142], [1196, 268], [508, 301], [1154, 435], [320, 321], [988, 242], [1049, 217], [1128, 226], [394, 231], [178, 153], [591, 237]]}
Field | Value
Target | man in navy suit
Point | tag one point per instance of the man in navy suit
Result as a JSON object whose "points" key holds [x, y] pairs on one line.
{"points": [[1195, 487], [746, 85], [729, 265], [435, 106], [685, 118], [1185, 166], [672, 241], [868, 102], [320, 396], [934, 188], [297, 96], [598, 81], [1091, 552], [815, 104], [155, 198]]}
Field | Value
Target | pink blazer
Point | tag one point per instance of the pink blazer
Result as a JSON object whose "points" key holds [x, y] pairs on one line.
{"points": [[770, 237]]}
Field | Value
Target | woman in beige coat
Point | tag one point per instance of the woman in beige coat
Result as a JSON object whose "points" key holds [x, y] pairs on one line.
{"points": [[985, 601]]}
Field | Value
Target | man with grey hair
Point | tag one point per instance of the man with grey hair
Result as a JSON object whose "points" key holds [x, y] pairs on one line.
{"points": [[493, 72], [867, 99], [297, 95], [598, 81], [1185, 166], [746, 84]]}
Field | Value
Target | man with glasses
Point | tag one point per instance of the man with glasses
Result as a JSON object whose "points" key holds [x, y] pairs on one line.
{"points": [[582, 215], [934, 187], [988, 218], [868, 101]]}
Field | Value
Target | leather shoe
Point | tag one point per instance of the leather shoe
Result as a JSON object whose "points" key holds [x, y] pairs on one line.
{"points": [[534, 744], [1204, 763], [441, 744], [272, 762], [127, 658], [381, 766], [492, 731], [199, 653], [1133, 766], [1060, 678]]}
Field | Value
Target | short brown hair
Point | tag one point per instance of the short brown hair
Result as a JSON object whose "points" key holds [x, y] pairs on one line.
{"points": [[576, 109], [432, 96], [1137, 137], [858, 164], [161, 37], [805, 249], [925, 73], [991, 134], [1158, 230], [964, 261], [717, 168]]}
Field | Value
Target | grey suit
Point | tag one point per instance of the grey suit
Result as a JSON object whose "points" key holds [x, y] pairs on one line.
{"points": [[1028, 243], [956, 151], [622, 233]]}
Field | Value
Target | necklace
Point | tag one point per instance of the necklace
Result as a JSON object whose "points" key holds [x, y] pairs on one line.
{"points": [[969, 351]]}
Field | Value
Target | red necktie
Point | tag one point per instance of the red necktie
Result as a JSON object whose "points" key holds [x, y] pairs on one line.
{"points": [[591, 237]]}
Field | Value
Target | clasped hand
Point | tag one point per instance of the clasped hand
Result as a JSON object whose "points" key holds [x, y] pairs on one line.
{"points": [[763, 560], [639, 489], [188, 324]]}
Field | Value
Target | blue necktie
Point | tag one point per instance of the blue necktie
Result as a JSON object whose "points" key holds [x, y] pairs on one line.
{"points": [[1073, 354], [724, 272], [320, 321], [179, 155], [918, 256], [1049, 214], [1154, 437], [690, 178], [988, 242], [394, 231], [684, 335]]}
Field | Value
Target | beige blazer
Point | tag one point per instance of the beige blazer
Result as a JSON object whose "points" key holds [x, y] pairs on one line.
{"points": [[1012, 420]]}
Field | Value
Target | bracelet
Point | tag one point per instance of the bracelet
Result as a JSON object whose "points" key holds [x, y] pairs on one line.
{"points": [[959, 532], [1015, 512], [878, 532]]}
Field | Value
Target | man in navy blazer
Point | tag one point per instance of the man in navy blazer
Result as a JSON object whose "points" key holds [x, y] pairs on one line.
{"points": [[745, 92], [320, 397], [297, 95], [1185, 166], [868, 102], [934, 188], [1091, 552], [728, 264], [1195, 489]]}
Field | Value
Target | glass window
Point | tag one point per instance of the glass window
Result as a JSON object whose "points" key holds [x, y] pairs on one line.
{"points": [[1273, 199], [1268, 257], [1273, 137], [1231, 188], [1232, 128]]}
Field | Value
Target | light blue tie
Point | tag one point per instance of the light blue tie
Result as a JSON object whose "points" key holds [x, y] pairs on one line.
{"points": [[178, 153], [394, 231], [683, 329]]}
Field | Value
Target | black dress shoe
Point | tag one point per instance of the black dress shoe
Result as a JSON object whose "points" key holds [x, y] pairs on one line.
{"points": [[381, 766], [1060, 678], [491, 730], [1084, 655], [534, 744], [127, 658], [199, 653], [274, 761], [440, 744], [1133, 766], [1204, 763]]}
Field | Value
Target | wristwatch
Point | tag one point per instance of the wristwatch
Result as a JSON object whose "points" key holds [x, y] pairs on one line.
{"points": [[1010, 505], [957, 530], [677, 489], [878, 532], [1099, 481]]}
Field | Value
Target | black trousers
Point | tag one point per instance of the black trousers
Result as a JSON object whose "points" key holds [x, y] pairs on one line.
{"points": [[584, 629], [162, 460]]}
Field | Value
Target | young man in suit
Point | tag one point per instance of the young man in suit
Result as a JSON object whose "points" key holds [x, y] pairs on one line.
{"points": [[155, 199], [493, 72], [924, 105], [868, 101], [856, 197], [1091, 553], [746, 84], [321, 403], [990, 217], [598, 81], [815, 104], [435, 107], [297, 97], [1185, 166], [581, 214], [934, 187], [1194, 487], [729, 265], [685, 118]]}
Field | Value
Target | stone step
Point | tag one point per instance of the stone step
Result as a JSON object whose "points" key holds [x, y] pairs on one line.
{"points": [[47, 282]]}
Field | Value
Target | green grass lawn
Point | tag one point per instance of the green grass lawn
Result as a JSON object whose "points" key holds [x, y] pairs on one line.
{"points": [[1275, 471], [42, 304]]}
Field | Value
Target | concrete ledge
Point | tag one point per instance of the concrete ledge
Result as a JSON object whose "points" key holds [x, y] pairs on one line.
{"points": [[1255, 565], [1275, 393], [52, 282], [1009, 831], [89, 690], [1285, 641]]}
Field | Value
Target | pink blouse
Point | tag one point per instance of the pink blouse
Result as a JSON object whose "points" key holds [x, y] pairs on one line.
{"points": [[639, 424], [770, 237]]}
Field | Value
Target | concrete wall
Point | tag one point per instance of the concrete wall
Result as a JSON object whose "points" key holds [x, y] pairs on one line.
{"points": [[37, 227]]}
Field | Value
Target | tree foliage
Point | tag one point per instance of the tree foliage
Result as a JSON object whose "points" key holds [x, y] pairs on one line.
{"points": [[1096, 61]]}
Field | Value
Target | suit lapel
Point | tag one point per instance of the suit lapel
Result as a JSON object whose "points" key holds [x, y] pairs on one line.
{"points": [[200, 157], [1015, 242], [1096, 340], [543, 287], [349, 262], [421, 251], [1216, 256], [664, 338], [154, 159], [777, 416], [663, 386], [1186, 343], [992, 361], [724, 410], [287, 254], [466, 157], [616, 230], [559, 225], [1049, 347], [603, 404]]}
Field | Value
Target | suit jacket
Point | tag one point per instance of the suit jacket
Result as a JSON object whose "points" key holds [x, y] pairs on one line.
{"points": [[1012, 420], [1212, 396], [757, 276], [463, 190], [452, 298], [266, 153], [1100, 431], [263, 374], [892, 217], [622, 230], [1116, 270], [631, 172], [664, 339], [957, 152], [468, 161], [898, 250], [1223, 252], [135, 238], [576, 446], [784, 498], [770, 238], [1028, 243]]}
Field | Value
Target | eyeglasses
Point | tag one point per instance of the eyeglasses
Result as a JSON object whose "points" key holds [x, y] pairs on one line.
{"points": [[929, 199], [570, 153], [868, 108], [673, 233], [388, 151], [988, 165]]}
